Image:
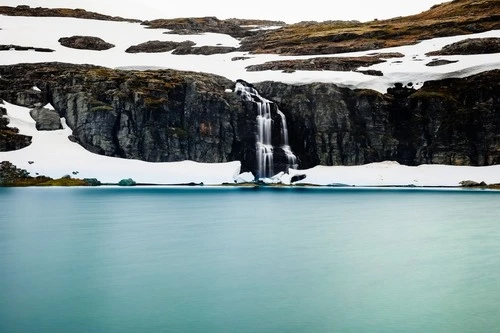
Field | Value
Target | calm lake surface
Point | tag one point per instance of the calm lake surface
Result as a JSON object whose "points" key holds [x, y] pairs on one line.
{"points": [[212, 260]]}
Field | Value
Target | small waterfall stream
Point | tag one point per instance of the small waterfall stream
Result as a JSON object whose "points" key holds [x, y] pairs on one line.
{"points": [[264, 147]]}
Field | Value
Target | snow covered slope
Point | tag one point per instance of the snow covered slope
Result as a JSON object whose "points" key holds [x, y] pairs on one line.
{"points": [[46, 31]]}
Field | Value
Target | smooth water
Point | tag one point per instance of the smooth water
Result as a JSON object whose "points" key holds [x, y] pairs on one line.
{"points": [[249, 260]]}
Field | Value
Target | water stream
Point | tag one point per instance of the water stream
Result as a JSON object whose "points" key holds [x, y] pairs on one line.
{"points": [[265, 149]]}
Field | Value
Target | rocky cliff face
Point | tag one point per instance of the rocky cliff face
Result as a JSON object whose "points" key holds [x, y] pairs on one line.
{"points": [[171, 115], [153, 116], [454, 121]]}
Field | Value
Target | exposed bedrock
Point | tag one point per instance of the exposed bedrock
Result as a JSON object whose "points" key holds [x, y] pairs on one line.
{"points": [[10, 139], [172, 115]]}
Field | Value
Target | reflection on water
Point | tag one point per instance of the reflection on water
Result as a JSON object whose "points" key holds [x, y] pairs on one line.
{"points": [[158, 259]]}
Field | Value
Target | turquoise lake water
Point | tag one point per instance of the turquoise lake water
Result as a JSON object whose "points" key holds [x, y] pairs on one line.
{"points": [[215, 260]]}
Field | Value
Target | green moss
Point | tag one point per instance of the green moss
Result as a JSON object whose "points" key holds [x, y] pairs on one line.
{"points": [[64, 181], [178, 132], [96, 105], [102, 108]]}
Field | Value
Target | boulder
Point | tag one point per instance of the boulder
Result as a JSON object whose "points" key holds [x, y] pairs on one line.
{"points": [[127, 182], [156, 46], [440, 62], [46, 120], [472, 183], [85, 43]]}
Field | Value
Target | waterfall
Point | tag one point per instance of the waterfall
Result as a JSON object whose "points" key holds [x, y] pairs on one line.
{"points": [[265, 151], [291, 158]]}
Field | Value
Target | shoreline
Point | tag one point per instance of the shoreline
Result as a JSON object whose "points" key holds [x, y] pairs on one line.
{"points": [[256, 186]]}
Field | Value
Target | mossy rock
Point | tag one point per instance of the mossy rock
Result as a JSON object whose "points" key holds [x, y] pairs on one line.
{"points": [[127, 182]]}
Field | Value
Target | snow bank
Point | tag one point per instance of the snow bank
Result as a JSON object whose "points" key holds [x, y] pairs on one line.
{"points": [[391, 173], [52, 154]]}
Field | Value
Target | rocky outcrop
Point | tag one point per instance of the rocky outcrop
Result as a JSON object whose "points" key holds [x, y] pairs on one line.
{"points": [[470, 46], [344, 64], [24, 48], [440, 62], [179, 48], [10, 139], [171, 115], [156, 46], [23, 10], [148, 115], [46, 120], [197, 25], [85, 43], [203, 50]]}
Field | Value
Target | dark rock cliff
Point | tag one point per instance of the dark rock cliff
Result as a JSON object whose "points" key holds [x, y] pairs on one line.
{"points": [[151, 115], [172, 115], [453, 121]]}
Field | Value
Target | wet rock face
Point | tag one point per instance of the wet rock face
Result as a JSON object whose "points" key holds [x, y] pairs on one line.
{"points": [[85, 43]]}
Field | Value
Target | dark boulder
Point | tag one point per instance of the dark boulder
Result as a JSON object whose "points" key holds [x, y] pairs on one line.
{"points": [[85, 43], [156, 46], [203, 50], [440, 62]]}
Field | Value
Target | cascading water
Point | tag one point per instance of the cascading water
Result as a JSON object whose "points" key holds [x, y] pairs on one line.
{"points": [[292, 159], [264, 147]]}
